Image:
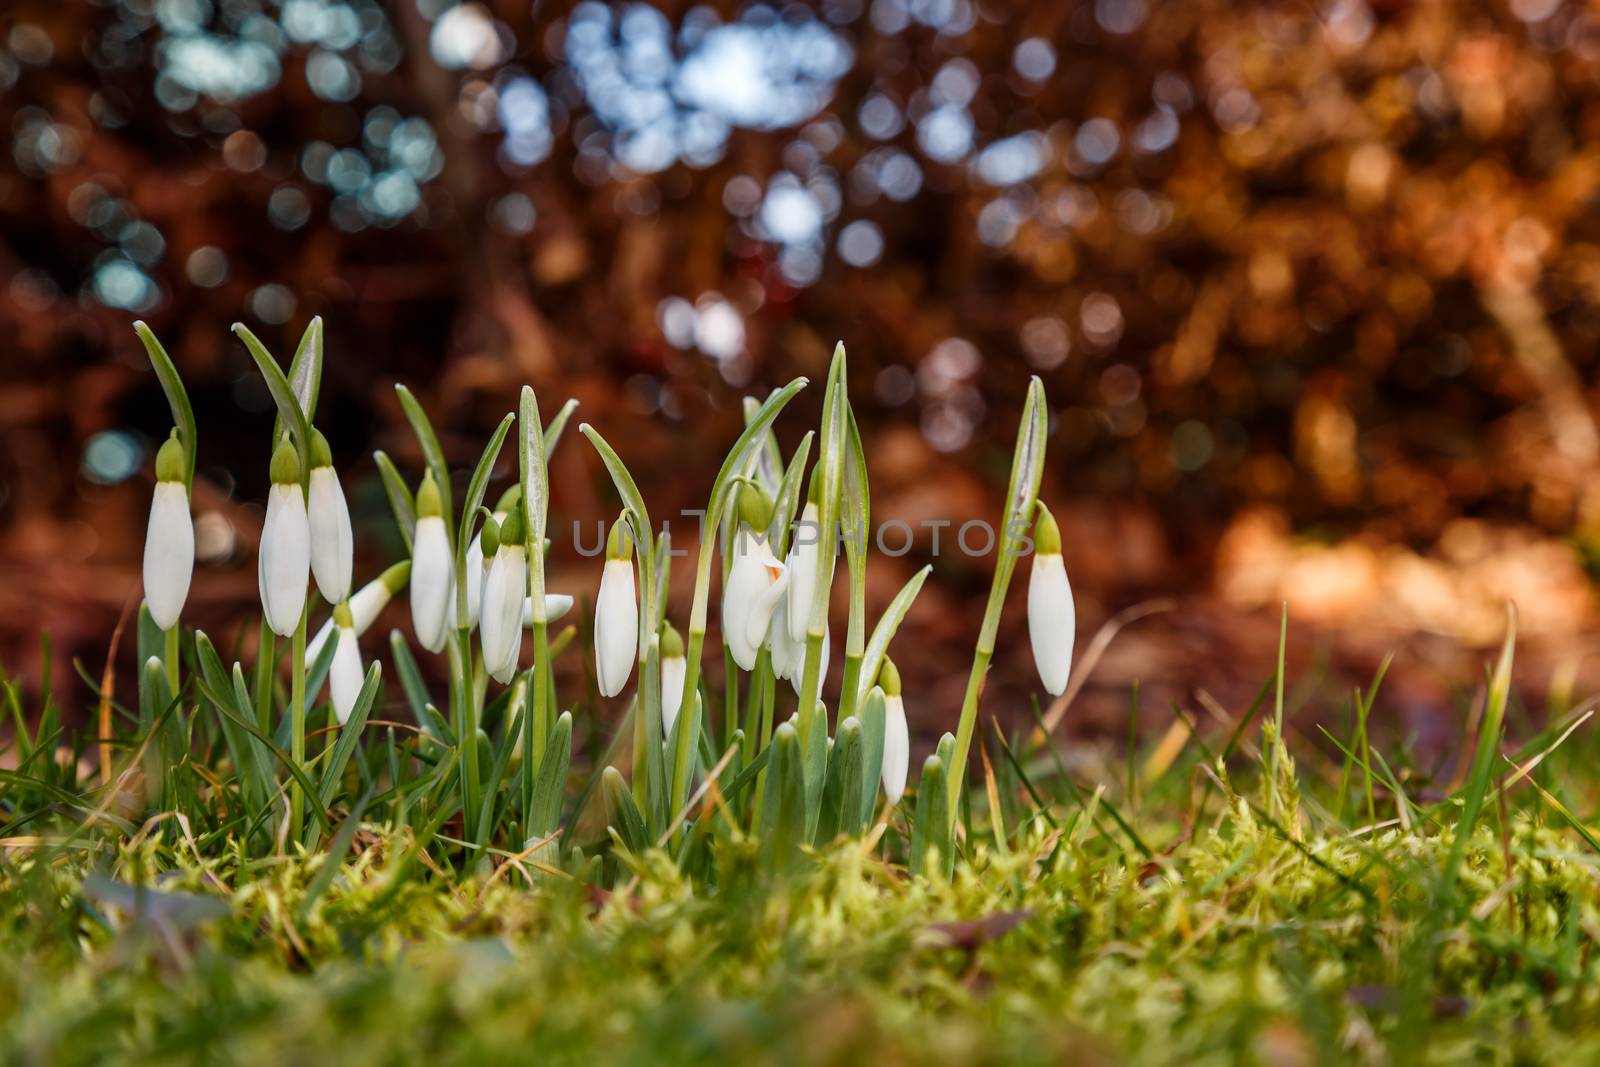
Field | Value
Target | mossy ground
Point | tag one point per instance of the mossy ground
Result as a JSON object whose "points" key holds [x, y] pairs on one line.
{"points": [[1239, 939]]}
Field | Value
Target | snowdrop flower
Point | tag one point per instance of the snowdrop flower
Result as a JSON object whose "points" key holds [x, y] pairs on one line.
{"points": [[332, 544], [1052, 619], [365, 605], [896, 738], [432, 570], [673, 666], [478, 559], [797, 665], [504, 597], [169, 539], [555, 606], [616, 616], [756, 581], [784, 651], [804, 551], [345, 676], [284, 565]]}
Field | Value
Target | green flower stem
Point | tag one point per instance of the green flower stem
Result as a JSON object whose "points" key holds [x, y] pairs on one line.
{"points": [[463, 708], [536, 727], [297, 723], [1022, 493], [826, 480], [730, 691], [768, 684], [170, 657], [855, 638], [266, 655], [722, 490]]}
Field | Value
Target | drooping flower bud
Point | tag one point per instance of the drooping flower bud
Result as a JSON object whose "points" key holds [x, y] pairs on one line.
{"points": [[284, 566], [616, 615], [365, 605], [432, 571], [504, 598], [896, 737], [1052, 617], [755, 585], [797, 666], [345, 676], [332, 543], [784, 651], [169, 538], [673, 668], [805, 549], [555, 606]]}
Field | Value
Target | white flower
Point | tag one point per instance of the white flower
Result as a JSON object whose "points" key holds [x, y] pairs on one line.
{"points": [[504, 599], [284, 564], [332, 544], [345, 677], [169, 539], [804, 551], [616, 618], [555, 606], [797, 666], [896, 737], [896, 748], [364, 606], [756, 582], [432, 570], [477, 574], [784, 650], [1052, 618], [673, 668]]}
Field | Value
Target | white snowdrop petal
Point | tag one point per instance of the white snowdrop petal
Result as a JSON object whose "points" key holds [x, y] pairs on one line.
{"points": [[802, 564], [345, 676], [500, 624], [477, 574], [1052, 621], [555, 606], [616, 627], [332, 542], [168, 554], [673, 669], [432, 582], [285, 559], [896, 748], [797, 667]]}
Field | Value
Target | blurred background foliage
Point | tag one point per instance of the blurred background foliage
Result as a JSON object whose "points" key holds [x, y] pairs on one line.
{"points": [[1314, 288]]}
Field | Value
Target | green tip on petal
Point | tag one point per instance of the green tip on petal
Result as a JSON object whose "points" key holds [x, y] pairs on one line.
{"points": [[889, 678], [428, 503], [755, 507], [171, 464], [671, 642], [321, 454], [341, 616], [814, 490], [1046, 534], [395, 578], [619, 544], [508, 499], [285, 464]]}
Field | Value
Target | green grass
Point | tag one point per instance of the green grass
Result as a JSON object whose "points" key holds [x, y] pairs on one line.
{"points": [[1170, 904]]}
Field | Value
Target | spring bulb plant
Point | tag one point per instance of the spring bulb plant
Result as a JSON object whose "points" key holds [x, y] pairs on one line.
{"points": [[485, 770], [1052, 617], [616, 615], [169, 538], [432, 574]]}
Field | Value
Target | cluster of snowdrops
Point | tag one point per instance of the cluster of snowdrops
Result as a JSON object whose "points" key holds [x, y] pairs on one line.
{"points": [[782, 524]]}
